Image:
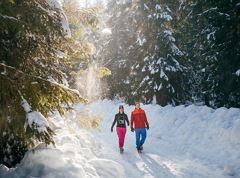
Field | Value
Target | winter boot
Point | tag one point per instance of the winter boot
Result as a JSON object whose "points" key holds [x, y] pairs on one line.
{"points": [[139, 149], [121, 150]]}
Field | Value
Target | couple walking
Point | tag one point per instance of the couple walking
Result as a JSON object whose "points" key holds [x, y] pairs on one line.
{"points": [[138, 123]]}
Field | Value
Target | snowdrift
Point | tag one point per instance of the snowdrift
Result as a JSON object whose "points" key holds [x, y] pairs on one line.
{"points": [[205, 140]]}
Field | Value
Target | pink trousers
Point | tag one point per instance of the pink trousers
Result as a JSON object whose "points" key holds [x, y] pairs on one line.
{"points": [[121, 132]]}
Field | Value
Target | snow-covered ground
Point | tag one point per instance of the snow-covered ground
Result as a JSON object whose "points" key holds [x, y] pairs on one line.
{"points": [[183, 142]]}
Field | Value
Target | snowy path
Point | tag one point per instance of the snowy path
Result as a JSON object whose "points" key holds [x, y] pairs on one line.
{"points": [[156, 161], [189, 152], [183, 142]]}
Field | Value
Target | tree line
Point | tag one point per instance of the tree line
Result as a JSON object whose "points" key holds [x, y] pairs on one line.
{"points": [[174, 52]]}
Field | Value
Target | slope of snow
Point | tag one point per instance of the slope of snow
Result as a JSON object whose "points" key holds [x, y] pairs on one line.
{"points": [[76, 155], [183, 142]]}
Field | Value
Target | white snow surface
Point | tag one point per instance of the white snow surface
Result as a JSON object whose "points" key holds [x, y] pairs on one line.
{"points": [[182, 142]]}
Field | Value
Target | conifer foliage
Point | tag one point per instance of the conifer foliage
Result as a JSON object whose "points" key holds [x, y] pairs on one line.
{"points": [[174, 51], [146, 59], [32, 78]]}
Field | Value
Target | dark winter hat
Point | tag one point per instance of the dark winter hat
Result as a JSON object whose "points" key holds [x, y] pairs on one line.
{"points": [[121, 107]]}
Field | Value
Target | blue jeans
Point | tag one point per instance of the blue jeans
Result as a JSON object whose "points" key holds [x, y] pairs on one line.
{"points": [[141, 135]]}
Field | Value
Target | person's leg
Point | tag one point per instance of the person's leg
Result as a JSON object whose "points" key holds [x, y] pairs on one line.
{"points": [[121, 138], [118, 129], [124, 130], [137, 132], [143, 136]]}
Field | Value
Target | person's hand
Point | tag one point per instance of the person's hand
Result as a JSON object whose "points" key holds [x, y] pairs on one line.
{"points": [[132, 129], [147, 127], [111, 129]]}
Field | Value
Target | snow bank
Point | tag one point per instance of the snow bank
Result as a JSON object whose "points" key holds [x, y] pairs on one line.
{"points": [[201, 132], [75, 155]]}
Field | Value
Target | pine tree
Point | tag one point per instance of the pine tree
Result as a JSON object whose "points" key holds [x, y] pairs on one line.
{"points": [[163, 64], [214, 28], [179, 51], [146, 60], [32, 78], [119, 50]]}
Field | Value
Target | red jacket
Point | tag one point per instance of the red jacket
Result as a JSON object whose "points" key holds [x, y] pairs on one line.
{"points": [[139, 119]]}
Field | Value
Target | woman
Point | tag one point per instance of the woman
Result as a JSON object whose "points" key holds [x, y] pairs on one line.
{"points": [[121, 119]]}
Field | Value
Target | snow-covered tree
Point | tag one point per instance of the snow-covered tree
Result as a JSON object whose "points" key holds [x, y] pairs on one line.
{"points": [[163, 64], [146, 60], [174, 51], [32, 79], [213, 51]]}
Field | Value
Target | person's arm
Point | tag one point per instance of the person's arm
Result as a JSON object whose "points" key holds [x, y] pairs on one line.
{"points": [[126, 118], [146, 120], [131, 122], [114, 122]]}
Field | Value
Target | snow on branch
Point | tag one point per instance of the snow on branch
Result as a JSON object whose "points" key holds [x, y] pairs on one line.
{"points": [[56, 4], [5, 73], [8, 17], [35, 120], [21, 72], [238, 73]]}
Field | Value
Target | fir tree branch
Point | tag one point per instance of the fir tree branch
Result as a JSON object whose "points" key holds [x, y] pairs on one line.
{"points": [[18, 72], [8, 17]]}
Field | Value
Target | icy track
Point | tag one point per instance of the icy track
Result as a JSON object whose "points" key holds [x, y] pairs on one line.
{"points": [[183, 142]]}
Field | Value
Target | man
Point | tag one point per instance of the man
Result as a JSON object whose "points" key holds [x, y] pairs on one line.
{"points": [[140, 122]]}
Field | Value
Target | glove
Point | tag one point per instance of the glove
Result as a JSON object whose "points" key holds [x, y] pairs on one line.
{"points": [[147, 127], [111, 129], [132, 129]]}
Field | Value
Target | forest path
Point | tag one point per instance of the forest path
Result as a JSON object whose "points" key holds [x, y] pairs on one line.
{"points": [[158, 160]]}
